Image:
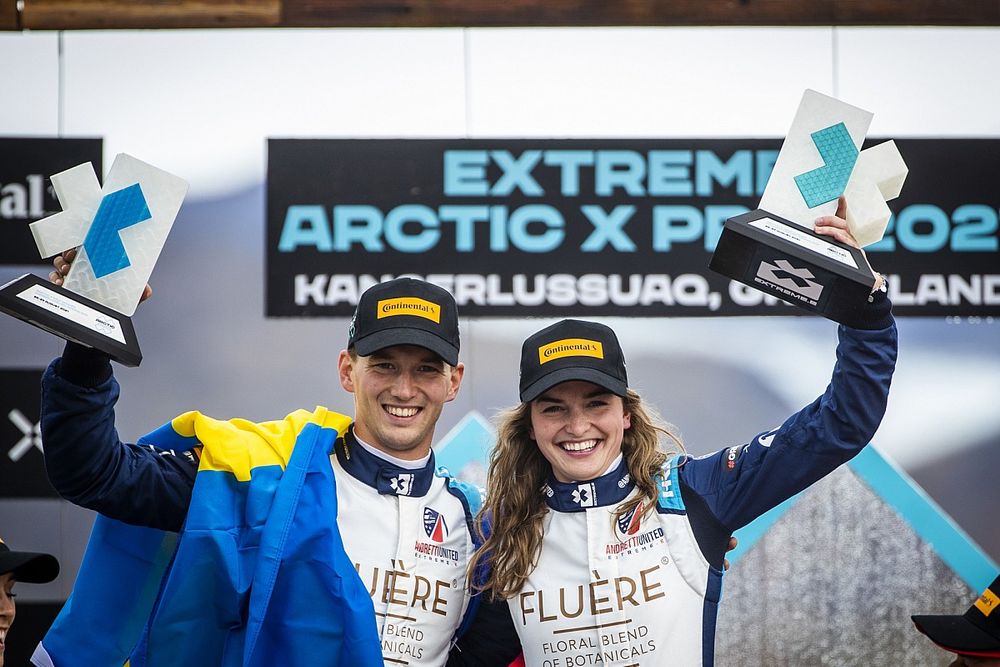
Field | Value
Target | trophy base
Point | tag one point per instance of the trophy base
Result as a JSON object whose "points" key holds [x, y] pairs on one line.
{"points": [[71, 316], [795, 264]]}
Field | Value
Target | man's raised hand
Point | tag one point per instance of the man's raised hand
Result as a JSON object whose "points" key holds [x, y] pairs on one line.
{"points": [[63, 261]]}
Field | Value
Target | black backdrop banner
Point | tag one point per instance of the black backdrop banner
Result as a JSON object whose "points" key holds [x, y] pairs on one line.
{"points": [[595, 227], [22, 465], [25, 191]]}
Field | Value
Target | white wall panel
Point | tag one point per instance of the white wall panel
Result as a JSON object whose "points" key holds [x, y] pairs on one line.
{"points": [[29, 84], [643, 82], [200, 103], [923, 82]]}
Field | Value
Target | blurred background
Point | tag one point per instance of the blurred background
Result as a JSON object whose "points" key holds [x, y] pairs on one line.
{"points": [[200, 102]]}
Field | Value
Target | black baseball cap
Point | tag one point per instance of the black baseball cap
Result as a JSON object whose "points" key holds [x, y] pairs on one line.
{"points": [[572, 350], [406, 311], [975, 633], [31, 568]]}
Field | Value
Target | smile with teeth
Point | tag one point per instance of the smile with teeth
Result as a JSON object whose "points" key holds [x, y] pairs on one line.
{"points": [[579, 446], [397, 411]]}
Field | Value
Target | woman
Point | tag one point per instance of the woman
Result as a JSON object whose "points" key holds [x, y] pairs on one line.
{"points": [[16, 566], [606, 548]]}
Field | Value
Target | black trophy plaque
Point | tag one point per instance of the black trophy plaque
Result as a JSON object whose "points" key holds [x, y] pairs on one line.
{"points": [[794, 263], [71, 316]]}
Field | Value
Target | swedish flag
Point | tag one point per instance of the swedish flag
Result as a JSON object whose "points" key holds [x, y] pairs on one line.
{"points": [[259, 575]]}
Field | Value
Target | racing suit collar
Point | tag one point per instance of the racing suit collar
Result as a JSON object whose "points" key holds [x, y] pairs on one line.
{"points": [[381, 475], [609, 489]]}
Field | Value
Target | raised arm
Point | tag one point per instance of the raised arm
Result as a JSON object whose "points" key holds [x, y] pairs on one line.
{"points": [[87, 462], [742, 482]]}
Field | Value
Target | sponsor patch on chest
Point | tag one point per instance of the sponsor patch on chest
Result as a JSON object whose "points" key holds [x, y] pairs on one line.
{"points": [[631, 538], [436, 529]]}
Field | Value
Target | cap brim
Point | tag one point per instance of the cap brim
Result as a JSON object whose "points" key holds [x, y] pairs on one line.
{"points": [[380, 340], [31, 568], [601, 379], [956, 633]]}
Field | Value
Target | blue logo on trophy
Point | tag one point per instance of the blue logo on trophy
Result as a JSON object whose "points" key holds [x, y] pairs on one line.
{"points": [[119, 231], [839, 154], [118, 210]]}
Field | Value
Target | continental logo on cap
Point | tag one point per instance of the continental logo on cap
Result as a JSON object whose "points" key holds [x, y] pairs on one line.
{"points": [[570, 347], [987, 602], [409, 305]]}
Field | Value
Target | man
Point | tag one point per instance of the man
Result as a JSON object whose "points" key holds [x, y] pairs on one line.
{"points": [[288, 554], [17, 567], [974, 636]]}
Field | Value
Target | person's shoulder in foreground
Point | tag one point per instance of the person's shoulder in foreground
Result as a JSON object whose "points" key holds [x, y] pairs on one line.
{"points": [[974, 636]]}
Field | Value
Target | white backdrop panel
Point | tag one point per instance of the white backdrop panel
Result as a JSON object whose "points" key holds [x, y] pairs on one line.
{"points": [[29, 89], [923, 82], [200, 103], [644, 82]]}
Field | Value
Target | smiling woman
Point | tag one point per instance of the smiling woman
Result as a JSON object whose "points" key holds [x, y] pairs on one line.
{"points": [[605, 541], [577, 423]]}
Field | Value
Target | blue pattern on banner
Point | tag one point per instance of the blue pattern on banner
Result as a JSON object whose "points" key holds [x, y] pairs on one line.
{"points": [[470, 441], [748, 535], [118, 210], [926, 517], [913, 505], [839, 154]]}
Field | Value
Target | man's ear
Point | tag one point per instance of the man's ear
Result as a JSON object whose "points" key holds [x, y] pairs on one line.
{"points": [[627, 420], [457, 373], [345, 369]]}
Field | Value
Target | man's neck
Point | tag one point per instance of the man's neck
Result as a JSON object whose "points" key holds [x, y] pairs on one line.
{"points": [[415, 464]]}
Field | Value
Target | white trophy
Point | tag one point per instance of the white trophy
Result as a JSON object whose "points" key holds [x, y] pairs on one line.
{"points": [[119, 231], [774, 247]]}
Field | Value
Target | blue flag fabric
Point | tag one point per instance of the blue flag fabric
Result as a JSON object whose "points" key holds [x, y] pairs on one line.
{"points": [[260, 575], [114, 593]]}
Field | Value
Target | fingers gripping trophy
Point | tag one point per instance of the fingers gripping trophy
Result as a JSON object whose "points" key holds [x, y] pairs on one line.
{"points": [[825, 199], [117, 232]]}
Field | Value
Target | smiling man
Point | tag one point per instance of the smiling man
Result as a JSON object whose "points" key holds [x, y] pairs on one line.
{"points": [[316, 539]]}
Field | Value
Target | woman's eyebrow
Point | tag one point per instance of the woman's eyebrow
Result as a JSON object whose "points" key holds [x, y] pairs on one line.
{"points": [[598, 392]]}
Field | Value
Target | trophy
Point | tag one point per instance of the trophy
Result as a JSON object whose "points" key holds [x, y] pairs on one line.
{"points": [[774, 247], [119, 231]]}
